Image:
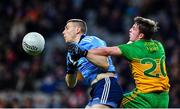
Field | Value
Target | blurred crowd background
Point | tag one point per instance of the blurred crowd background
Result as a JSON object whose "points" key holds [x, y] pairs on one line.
{"points": [[27, 81]]}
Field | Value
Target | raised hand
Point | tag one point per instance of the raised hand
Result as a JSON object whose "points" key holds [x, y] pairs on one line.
{"points": [[71, 65], [76, 52]]}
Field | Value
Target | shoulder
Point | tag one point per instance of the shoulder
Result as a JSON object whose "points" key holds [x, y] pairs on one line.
{"points": [[130, 50], [92, 39], [158, 43], [128, 45], [92, 42]]}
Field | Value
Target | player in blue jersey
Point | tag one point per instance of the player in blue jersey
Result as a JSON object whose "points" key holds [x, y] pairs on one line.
{"points": [[106, 92]]}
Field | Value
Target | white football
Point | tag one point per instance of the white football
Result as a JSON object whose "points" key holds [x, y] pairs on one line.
{"points": [[33, 43]]}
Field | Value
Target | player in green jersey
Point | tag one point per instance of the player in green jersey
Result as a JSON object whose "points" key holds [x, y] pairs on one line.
{"points": [[147, 59]]}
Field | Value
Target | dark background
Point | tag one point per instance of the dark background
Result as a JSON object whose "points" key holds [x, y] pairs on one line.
{"points": [[27, 81]]}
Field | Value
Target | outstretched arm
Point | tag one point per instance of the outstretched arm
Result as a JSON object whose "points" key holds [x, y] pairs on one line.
{"points": [[96, 55], [104, 51]]}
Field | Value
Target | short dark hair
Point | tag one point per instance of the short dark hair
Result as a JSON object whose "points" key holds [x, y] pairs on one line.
{"points": [[81, 23], [146, 26]]}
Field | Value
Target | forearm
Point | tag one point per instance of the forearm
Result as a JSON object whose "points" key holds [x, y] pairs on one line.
{"points": [[100, 61], [105, 51], [98, 56], [71, 80]]}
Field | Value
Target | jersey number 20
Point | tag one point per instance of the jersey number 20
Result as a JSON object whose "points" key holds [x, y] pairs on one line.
{"points": [[151, 61]]}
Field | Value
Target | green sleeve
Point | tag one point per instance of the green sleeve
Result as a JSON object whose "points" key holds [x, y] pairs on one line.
{"points": [[141, 49], [128, 51]]}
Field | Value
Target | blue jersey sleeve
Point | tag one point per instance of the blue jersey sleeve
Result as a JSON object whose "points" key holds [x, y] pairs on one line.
{"points": [[91, 42], [94, 42], [88, 69]]}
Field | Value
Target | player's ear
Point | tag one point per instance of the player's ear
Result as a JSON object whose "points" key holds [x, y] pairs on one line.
{"points": [[141, 36], [78, 29]]}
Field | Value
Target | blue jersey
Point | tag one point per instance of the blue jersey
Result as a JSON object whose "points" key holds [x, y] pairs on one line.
{"points": [[88, 70]]}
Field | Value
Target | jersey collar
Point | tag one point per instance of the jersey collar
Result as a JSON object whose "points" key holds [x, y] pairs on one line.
{"points": [[82, 36]]}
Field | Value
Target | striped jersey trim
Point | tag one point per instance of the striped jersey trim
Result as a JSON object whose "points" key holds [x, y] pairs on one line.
{"points": [[106, 89], [129, 98]]}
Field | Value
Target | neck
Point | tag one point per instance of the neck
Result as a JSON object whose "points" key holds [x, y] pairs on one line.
{"points": [[78, 37]]}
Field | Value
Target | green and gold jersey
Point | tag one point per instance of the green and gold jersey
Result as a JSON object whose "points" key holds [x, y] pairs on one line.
{"points": [[147, 60]]}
